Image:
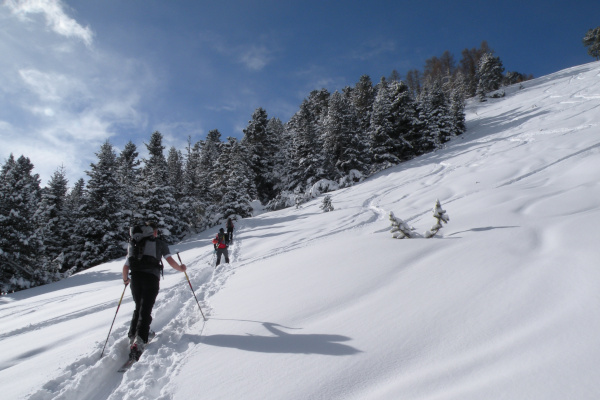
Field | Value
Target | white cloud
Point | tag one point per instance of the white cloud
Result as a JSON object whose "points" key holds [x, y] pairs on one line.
{"points": [[56, 18], [255, 57], [51, 87], [59, 100]]}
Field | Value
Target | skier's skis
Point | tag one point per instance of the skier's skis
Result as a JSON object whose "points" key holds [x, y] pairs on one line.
{"points": [[132, 360]]}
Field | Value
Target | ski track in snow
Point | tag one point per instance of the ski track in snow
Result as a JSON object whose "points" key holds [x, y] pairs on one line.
{"points": [[178, 324], [538, 170]]}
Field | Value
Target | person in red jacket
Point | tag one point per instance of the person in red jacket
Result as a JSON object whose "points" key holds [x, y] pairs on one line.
{"points": [[221, 241]]}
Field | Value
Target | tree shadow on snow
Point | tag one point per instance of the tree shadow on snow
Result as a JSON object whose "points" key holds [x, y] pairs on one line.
{"points": [[283, 342]]}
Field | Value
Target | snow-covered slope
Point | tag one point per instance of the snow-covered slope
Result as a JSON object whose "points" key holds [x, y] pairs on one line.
{"points": [[502, 304]]}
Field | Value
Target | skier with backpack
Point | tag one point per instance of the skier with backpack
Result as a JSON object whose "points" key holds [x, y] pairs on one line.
{"points": [[143, 269], [229, 226], [220, 242]]}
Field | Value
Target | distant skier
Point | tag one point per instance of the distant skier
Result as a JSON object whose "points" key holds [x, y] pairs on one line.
{"points": [[220, 242], [229, 226], [143, 260]]}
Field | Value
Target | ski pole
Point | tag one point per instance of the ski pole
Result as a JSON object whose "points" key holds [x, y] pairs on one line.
{"points": [[111, 325], [190, 283]]}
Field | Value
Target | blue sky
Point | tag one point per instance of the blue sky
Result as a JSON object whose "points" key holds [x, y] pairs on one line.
{"points": [[74, 73]]}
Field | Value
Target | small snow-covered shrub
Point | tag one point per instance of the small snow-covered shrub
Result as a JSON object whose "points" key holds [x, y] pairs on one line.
{"points": [[440, 215], [400, 229], [326, 206]]}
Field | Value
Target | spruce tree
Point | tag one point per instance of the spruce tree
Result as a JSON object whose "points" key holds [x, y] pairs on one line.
{"points": [[363, 96], [221, 172], [74, 212], [591, 40], [341, 144], [404, 120], [457, 112], [262, 151], [435, 116], [193, 205], [208, 170], [440, 216], [469, 65], [156, 200], [326, 205], [175, 172], [306, 160], [20, 244], [400, 229], [52, 222], [489, 75], [100, 225], [239, 186], [280, 143], [128, 176], [383, 146]]}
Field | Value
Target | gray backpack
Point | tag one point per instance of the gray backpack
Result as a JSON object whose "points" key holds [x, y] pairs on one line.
{"points": [[142, 250]]}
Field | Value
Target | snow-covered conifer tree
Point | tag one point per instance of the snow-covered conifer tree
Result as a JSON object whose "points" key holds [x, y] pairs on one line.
{"points": [[261, 151], [489, 75], [175, 172], [280, 144], [155, 195], [210, 150], [457, 112], [404, 120], [128, 176], [383, 146], [440, 215], [193, 207], [326, 206], [19, 243], [52, 223], [363, 97], [306, 159], [238, 184], [400, 229], [100, 223], [74, 211], [435, 116], [341, 144], [591, 40]]}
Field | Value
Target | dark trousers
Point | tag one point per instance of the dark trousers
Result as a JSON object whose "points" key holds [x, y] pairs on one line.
{"points": [[144, 289], [222, 252], [230, 233]]}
